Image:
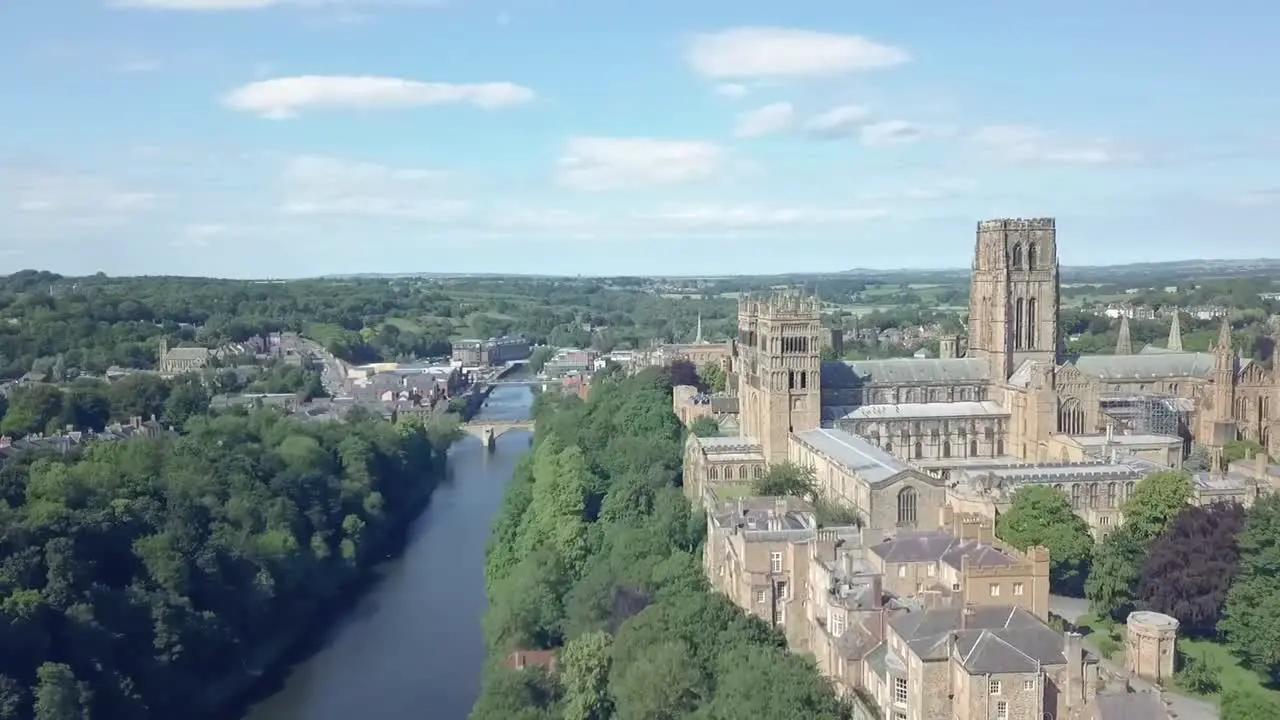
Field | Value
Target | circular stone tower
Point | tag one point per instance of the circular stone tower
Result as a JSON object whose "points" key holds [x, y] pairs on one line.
{"points": [[1151, 645]]}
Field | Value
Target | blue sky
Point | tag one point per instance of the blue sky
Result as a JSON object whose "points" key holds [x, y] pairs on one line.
{"points": [[298, 137]]}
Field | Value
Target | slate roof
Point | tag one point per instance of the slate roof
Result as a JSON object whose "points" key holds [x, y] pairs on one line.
{"points": [[901, 371], [188, 353], [939, 546], [990, 640], [854, 454], [1130, 706], [1146, 366]]}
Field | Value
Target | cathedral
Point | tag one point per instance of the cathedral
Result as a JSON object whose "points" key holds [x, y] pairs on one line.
{"points": [[1007, 406]]}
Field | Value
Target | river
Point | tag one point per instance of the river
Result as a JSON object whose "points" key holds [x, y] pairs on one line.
{"points": [[412, 648]]}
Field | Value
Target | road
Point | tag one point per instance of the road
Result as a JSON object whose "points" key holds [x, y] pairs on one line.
{"points": [[332, 370], [1180, 706]]}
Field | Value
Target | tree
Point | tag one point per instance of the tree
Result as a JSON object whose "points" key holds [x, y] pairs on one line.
{"points": [[705, 426], [1190, 567], [58, 695], [1041, 515], [584, 664], [684, 372], [1251, 620], [712, 376], [786, 479], [1114, 574], [1239, 704], [1156, 501]]}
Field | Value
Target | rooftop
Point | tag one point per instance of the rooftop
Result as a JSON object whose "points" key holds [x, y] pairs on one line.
{"points": [[932, 371], [1151, 366], [1091, 441], [941, 546], [930, 410], [987, 639], [854, 454]]}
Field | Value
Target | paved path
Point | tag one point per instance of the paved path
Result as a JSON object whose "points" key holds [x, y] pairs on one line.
{"points": [[1180, 706]]}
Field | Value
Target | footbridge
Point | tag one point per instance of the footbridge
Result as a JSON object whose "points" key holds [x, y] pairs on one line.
{"points": [[526, 382], [489, 430]]}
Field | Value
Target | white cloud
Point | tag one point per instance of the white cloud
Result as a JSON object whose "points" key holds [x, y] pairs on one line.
{"points": [[602, 163], [69, 195], [318, 185], [1019, 143], [287, 97], [749, 216], [1258, 198], [744, 53], [838, 121], [892, 132], [732, 90], [767, 120]]}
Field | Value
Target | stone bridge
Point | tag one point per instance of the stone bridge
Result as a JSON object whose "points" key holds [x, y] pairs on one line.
{"points": [[489, 430]]}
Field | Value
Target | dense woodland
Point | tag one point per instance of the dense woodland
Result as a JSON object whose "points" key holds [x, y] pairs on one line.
{"points": [[1214, 568], [153, 578], [597, 553]]}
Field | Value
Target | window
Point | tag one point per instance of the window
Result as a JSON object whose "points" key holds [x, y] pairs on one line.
{"points": [[995, 589], [900, 690], [1017, 588], [994, 687], [775, 562], [902, 571], [907, 507], [1105, 520], [761, 596], [1028, 684], [955, 587], [1002, 710], [932, 570], [778, 617], [899, 716], [837, 624]]}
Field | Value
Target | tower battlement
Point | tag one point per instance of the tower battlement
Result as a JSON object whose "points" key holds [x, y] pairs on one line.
{"points": [[1017, 224], [788, 306]]}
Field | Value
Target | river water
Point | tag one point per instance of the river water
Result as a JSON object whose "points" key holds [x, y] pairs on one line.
{"points": [[412, 648]]}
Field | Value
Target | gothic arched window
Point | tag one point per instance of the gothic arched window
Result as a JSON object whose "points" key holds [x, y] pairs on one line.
{"points": [[1071, 417], [742, 472], [713, 473], [946, 448], [973, 447], [1031, 255], [907, 507], [1077, 495], [1017, 256], [918, 450]]}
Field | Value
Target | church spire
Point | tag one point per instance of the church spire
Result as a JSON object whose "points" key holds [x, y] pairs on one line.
{"points": [[1224, 337], [1175, 334], [1124, 346], [698, 339]]}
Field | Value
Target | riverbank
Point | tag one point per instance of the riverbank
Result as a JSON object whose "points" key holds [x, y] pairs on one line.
{"points": [[261, 674], [412, 642]]}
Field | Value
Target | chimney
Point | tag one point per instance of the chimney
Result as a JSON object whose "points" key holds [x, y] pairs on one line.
{"points": [[1074, 653], [966, 615]]}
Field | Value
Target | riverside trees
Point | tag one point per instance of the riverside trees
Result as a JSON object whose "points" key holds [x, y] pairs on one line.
{"points": [[148, 578], [596, 553]]}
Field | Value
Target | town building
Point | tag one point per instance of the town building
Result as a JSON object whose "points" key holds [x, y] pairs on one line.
{"points": [[1000, 408], [491, 352], [179, 360]]}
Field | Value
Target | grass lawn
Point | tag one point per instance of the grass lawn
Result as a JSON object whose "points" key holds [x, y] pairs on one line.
{"points": [[405, 324], [733, 491], [1109, 638]]}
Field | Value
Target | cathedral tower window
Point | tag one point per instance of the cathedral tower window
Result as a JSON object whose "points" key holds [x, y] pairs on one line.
{"points": [[804, 377], [1018, 319], [713, 473], [907, 507], [1030, 343], [946, 448], [1111, 495], [1017, 256], [1031, 255], [1071, 417], [791, 379], [918, 450], [973, 447], [757, 472]]}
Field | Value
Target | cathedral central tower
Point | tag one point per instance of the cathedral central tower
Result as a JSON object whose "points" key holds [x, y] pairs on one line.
{"points": [[1013, 297]]}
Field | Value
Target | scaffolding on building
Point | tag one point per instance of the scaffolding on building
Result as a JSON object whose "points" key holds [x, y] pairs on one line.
{"points": [[1148, 414]]}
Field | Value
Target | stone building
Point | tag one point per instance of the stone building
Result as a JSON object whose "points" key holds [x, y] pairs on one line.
{"points": [[179, 360], [980, 662], [1006, 396], [1151, 645]]}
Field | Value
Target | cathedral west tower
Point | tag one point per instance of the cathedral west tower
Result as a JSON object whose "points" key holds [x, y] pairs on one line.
{"points": [[1013, 300]]}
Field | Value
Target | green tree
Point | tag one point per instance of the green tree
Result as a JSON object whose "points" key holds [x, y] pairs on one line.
{"points": [[584, 669], [713, 377], [1041, 515], [1236, 704], [1112, 585], [1251, 620], [786, 479], [58, 695], [1156, 501], [705, 426]]}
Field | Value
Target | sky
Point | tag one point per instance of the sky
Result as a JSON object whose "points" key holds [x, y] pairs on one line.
{"points": [[287, 138]]}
